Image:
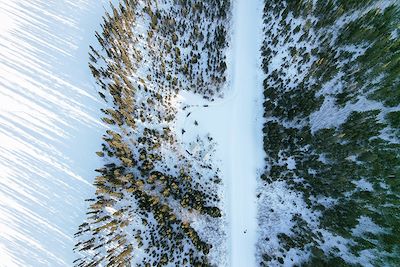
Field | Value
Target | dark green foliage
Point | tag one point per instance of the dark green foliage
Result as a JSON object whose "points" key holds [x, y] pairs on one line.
{"points": [[394, 119], [355, 163]]}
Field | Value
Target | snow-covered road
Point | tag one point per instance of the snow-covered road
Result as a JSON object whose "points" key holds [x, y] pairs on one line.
{"points": [[49, 127], [246, 147], [235, 122]]}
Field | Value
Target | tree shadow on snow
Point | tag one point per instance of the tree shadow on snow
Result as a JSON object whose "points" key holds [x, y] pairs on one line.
{"points": [[49, 128]]}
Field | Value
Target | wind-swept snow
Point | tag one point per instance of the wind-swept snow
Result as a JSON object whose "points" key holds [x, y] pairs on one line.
{"points": [[234, 122], [49, 127]]}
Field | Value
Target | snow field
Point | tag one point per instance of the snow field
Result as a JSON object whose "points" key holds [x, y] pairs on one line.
{"points": [[49, 127]]}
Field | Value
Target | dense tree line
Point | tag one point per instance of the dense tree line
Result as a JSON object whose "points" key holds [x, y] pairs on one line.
{"points": [[345, 55], [144, 202]]}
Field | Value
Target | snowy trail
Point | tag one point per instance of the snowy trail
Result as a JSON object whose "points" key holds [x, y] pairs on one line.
{"points": [[49, 127], [246, 142], [235, 122]]}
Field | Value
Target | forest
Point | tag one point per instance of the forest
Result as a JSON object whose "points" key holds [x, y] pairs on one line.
{"points": [[329, 193], [198, 133], [150, 191], [331, 135]]}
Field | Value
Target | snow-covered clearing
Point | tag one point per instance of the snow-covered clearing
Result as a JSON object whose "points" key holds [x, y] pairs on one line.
{"points": [[235, 123], [49, 127]]}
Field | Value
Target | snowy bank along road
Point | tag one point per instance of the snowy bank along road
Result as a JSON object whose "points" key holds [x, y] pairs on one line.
{"points": [[235, 122]]}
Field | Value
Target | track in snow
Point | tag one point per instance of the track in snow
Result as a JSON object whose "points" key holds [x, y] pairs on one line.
{"points": [[246, 132]]}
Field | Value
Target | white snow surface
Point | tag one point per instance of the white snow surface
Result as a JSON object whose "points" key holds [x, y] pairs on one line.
{"points": [[235, 123], [49, 127]]}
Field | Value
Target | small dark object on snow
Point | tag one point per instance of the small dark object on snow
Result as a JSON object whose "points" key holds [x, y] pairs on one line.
{"points": [[206, 106], [183, 131], [188, 114], [196, 123]]}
